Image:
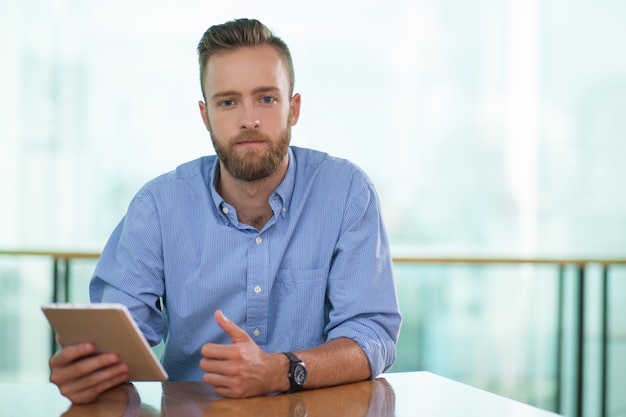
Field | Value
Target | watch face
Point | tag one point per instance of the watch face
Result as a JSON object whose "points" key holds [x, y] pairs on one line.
{"points": [[299, 375]]}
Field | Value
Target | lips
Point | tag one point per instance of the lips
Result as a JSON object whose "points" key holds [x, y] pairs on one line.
{"points": [[243, 142], [250, 137]]}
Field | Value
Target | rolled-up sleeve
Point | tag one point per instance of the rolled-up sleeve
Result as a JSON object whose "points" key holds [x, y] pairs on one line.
{"points": [[362, 293]]}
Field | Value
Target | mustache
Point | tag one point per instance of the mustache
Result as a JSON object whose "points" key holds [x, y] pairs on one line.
{"points": [[250, 136]]}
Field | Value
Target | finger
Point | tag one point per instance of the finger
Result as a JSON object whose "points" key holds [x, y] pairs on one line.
{"points": [[220, 352], [236, 334], [226, 386], [219, 367], [71, 353], [94, 379], [62, 375], [98, 363], [87, 389], [217, 380]]}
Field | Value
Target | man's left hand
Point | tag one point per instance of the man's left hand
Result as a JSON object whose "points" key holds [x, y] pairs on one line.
{"points": [[241, 369]]}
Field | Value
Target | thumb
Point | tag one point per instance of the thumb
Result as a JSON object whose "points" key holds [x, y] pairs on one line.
{"points": [[236, 333]]}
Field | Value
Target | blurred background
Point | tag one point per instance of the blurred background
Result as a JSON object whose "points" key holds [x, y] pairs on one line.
{"points": [[491, 129]]}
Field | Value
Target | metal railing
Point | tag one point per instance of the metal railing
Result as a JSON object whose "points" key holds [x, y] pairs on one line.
{"points": [[580, 266], [61, 266]]}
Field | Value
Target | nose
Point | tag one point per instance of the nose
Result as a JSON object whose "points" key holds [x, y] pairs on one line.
{"points": [[249, 118]]}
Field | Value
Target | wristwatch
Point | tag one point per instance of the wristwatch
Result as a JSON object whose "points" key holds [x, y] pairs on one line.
{"points": [[297, 372]]}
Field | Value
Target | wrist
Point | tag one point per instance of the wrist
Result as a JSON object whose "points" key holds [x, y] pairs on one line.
{"points": [[280, 373]]}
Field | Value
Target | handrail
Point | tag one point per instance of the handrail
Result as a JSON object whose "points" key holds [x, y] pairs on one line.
{"points": [[51, 254], [509, 260], [56, 254]]}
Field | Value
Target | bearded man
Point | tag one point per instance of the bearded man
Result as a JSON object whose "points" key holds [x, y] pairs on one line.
{"points": [[264, 268]]}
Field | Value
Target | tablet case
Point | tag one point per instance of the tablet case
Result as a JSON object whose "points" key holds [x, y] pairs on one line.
{"points": [[112, 329]]}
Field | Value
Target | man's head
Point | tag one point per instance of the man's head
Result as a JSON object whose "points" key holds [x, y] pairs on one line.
{"points": [[240, 33], [249, 107]]}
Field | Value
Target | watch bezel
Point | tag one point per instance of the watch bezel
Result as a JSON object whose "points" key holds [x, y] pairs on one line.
{"points": [[299, 374]]}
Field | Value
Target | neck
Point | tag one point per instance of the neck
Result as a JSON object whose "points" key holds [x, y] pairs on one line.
{"points": [[251, 198]]}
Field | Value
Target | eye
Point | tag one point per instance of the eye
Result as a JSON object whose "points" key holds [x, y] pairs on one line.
{"points": [[268, 100], [227, 103]]}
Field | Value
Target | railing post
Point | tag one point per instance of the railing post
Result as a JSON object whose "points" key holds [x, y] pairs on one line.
{"points": [[559, 338], [66, 281], [604, 340], [60, 288], [55, 299], [580, 339]]}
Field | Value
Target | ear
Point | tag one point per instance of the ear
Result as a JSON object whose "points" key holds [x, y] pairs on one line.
{"points": [[204, 114], [295, 108]]}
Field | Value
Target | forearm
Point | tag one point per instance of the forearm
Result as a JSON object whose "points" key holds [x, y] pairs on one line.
{"points": [[336, 362]]}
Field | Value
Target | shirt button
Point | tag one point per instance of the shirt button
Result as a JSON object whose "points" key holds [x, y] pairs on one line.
{"points": [[284, 210], [257, 289], [225, 210], [258, 240], [256, 332]]}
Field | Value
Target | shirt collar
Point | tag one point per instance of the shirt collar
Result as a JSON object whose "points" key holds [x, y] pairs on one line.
{"points": [[285, 188], [284, 191]]}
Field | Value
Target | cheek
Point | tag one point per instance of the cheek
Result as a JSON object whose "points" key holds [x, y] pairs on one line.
{"points": [[220, 123], [278, 119]]}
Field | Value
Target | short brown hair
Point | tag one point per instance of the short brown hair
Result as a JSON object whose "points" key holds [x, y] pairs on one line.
{"points": [[241, 33]]}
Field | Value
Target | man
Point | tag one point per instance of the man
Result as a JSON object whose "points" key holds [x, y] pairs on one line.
{"points": [[265, 268]]}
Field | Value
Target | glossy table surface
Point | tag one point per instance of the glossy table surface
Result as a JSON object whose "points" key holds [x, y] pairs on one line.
{"points": [[396, 394]]}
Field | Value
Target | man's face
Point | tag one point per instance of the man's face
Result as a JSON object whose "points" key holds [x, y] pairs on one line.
{"points": [[248, 110]]}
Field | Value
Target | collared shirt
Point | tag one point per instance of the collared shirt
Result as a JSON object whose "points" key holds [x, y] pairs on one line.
{"points": [[319, 269]]}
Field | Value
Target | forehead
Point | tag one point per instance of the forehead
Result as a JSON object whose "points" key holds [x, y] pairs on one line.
{"points": [[245, 69]]}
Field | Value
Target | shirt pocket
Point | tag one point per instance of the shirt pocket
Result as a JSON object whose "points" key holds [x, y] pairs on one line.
{"points": [[299, 304]]}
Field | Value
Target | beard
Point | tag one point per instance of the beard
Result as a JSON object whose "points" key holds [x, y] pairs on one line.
{"points": [[252, 164]]}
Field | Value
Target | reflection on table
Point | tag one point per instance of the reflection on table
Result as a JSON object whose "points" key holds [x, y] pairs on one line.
{"points": [[400, 394], [196, 399]]}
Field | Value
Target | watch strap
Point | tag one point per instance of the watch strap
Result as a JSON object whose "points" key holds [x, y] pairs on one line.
{"points": [[294, 364]]}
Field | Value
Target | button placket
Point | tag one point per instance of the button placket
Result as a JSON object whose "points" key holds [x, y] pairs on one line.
{"points": [[258, 297]]}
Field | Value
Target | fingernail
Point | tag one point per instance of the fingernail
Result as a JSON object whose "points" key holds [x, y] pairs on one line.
{"points": [[223, 315]]}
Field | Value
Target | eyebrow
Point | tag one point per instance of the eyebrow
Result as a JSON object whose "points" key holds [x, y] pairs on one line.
{"points": [[234, 93]]}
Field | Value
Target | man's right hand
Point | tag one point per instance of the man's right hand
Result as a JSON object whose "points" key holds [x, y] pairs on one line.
{"points": [[82, 376]]}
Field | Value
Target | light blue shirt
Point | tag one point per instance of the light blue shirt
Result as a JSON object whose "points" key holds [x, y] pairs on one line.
{"points": [[319, 269]]}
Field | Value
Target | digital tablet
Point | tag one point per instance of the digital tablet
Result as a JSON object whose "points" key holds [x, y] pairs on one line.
{"points": [[111, 328]]}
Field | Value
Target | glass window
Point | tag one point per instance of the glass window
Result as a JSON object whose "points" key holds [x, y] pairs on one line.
{"points": [[489, 128]]}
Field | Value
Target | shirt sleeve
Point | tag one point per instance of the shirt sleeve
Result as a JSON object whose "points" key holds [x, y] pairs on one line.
{"points": [[362, 293], [130, 268]]}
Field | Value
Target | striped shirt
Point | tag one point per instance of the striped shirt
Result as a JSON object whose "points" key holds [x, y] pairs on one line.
{"points": [[319, 269]]}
